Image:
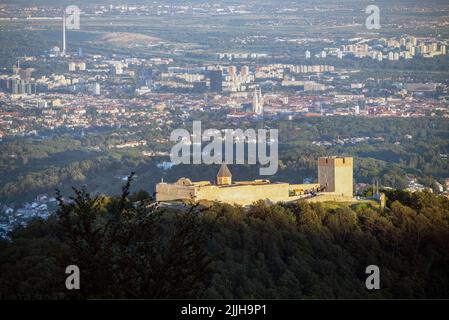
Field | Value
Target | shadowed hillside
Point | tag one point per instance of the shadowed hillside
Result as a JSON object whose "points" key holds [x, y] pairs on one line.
{"points": [[127, 246]]}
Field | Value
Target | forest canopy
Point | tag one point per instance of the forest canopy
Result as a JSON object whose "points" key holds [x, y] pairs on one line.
{"points": [[129, 247]]}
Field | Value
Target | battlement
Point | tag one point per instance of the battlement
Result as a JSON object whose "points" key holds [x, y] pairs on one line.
{"points": [[336, 161], [335, 174]]}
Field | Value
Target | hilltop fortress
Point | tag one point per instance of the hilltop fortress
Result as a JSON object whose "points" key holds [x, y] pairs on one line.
{"points": [[335, 183]]}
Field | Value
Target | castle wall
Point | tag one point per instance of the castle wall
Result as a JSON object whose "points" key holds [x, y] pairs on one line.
{"points": [[301, 188], [334, 197], [244, 194], [171, 192]]}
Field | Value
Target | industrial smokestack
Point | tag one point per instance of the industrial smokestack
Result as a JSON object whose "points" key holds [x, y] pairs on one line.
{"points": [[63, 36]]}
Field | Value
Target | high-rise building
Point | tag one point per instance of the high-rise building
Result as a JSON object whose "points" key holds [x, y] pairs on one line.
{"points": [[232, 70], [390, 56], [117, 69], [18, 86], [15, 86], [216, 80], [422, 49], [258, 102], [335, 174], [30, 88], [434, 47], [42, 104], [307, 54], [22, 87], [95, 88]]}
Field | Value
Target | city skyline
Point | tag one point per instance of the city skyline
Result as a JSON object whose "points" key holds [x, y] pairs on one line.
{"points": [[317, 167]]}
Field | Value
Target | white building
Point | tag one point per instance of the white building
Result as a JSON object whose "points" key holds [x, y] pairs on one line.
{"points": [[258, 102]]}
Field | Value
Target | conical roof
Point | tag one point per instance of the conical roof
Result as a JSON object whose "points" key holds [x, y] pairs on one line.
{"points": [[224, 171]]}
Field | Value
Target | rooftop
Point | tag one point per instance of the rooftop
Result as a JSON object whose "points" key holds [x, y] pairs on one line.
{"points": [[224, 171]]}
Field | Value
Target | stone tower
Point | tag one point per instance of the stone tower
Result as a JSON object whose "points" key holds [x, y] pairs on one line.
{"points": [[224, 176], [335, 175]]}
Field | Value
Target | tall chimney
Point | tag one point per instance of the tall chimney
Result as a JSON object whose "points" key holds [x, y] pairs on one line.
{"points": [[63, 36]]}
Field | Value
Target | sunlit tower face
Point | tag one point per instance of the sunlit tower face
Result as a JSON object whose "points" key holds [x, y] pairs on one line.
{"points": [[335, 174]]}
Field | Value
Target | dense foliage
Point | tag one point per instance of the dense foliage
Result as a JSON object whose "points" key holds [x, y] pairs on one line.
{"points": [[129, 247], [123, 251], [307, 250]]}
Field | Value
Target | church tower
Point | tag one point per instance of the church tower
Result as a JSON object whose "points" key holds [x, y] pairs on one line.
{"points": [[224, 176]]}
